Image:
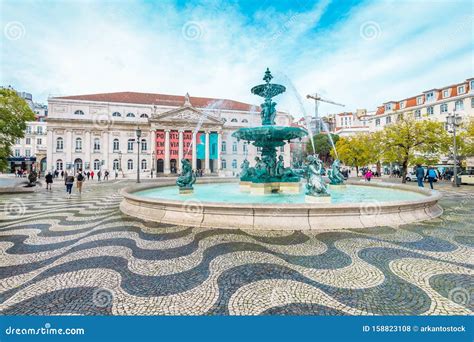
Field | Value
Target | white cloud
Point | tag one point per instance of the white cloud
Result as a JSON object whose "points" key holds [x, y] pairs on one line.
{"points": [[87, 47]]}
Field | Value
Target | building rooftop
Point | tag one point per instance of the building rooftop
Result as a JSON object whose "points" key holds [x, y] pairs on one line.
{"points": [[163, 100]]}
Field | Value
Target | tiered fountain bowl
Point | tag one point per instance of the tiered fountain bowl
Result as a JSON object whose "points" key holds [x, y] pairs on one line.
{"points": [[269, 175], [270, 195]]}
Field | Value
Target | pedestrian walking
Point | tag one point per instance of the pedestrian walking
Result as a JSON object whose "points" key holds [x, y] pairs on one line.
{"points": [[79, 180], [49, 181], [368, 175], [106, 175], [62, 173], [69, 182], [116, 174], [88, 175], [98, 175], [92, 174], [420, 175], [432, 175]]}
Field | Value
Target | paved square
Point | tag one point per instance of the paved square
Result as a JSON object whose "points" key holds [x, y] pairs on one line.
{"points": [[83, 256]]}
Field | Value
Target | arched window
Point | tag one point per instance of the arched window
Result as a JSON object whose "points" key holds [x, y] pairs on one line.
{"points": [[96, 144], [144, 116], [130, 145], [224, 146], [143, 164], [116, 114], [96, 164], [78, 112], [78, 144], [116, 165], [234, 147], [245, 121], [116, 145], [234, 163], [144, 145], [130, 164], [130, 115], [78, 164], [59, 144], [233, 120], [459, 105], [224, 164], [59, 164]]}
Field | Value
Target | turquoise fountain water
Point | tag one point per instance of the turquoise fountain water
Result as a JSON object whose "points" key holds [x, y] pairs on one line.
{"points": [[230, 193]]}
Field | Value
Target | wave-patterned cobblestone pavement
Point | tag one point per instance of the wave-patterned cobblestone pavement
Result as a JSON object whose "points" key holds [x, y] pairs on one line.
{"points": [[82, 256]]}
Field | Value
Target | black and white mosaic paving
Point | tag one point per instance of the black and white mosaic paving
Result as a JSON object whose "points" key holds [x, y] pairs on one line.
{"points": [[83, 256]]}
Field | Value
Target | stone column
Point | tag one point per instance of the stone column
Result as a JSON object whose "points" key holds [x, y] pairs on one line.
{"points": [[87, 149], [167, 152], [153, 150], [219, 143], [68, 149], [207, 169], [50, 147], [106, 144], [180, 150], [194, 158]]}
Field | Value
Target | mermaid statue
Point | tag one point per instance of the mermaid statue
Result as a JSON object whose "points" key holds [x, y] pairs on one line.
{"points": [[187, 177], [285, 173], [315, 185], [335, 175]]}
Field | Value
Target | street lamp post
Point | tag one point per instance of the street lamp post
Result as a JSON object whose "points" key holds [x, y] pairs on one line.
{"points": [[152, 163], [120, 163], [454, 120], [139, 134]]}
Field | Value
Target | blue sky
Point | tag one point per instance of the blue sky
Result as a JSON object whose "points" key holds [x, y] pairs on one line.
{"points": [[360, 53]]}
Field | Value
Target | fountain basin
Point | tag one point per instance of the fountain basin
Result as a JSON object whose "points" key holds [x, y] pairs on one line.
{"points": [[193, 210], [273, 136]]}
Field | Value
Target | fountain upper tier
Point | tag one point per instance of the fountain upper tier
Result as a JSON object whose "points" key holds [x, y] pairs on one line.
{"points": [[268, 90], [269, 135]]}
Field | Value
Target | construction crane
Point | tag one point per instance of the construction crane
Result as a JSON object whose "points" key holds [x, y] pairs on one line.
{"points": [[317, 98]]}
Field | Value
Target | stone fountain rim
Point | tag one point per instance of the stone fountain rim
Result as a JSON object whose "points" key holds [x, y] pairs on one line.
{"points": [[431, 196], [307, 216]]}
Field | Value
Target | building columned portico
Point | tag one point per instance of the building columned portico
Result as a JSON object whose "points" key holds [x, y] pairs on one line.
{"points": [[186, 133]]}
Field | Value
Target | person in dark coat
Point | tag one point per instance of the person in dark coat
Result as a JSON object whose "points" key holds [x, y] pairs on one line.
{"points": [[420, 175], [49, 181]]}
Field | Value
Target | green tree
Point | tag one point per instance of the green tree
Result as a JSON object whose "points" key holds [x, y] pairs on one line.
{"points": [[465, 139], [14, 113], [355, 150], [409, 141], [322, 145]]}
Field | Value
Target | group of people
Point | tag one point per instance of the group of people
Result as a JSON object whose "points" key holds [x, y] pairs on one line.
{"points": [[80, 176], [69, 180], [431, 174], [20, 173]]}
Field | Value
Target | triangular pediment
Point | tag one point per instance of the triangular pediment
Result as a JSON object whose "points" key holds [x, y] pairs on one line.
{"points": [[186, 114]]}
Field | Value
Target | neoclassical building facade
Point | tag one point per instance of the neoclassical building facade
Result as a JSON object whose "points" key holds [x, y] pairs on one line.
{"points": [[99, 132]]}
